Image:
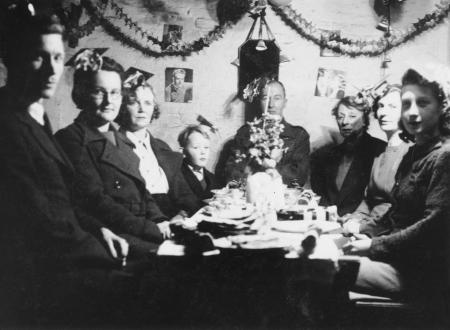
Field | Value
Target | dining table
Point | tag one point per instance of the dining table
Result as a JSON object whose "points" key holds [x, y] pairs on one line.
{"points": [[250, 278]]}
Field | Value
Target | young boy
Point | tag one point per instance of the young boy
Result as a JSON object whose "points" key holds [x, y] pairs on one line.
{"points": [[195, 142]]}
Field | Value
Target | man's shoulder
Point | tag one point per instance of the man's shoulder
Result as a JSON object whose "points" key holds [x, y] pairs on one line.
{"points": [[295, 130], [72, 131]]}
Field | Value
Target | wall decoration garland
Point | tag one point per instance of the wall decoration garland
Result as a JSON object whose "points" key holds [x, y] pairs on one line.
{"points": [[148, 44], [143, 38], [353, 48]]}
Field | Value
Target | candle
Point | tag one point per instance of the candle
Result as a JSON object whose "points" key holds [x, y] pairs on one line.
{"points": [[266, 106]]}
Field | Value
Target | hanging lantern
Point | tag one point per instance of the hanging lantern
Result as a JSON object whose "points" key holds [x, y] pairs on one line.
{"points": [[259, 55]]}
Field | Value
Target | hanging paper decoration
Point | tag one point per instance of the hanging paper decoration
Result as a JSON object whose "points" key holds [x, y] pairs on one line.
{"points": [[150, 45], [143, 40], [353, 47]]}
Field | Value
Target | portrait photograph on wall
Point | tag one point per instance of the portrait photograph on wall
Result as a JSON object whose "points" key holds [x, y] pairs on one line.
{"points": [[179, 85], [172, 35], [330, 83]]}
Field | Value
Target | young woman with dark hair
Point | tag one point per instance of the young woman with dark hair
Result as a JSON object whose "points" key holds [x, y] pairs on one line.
{"points": [[408, 248]]}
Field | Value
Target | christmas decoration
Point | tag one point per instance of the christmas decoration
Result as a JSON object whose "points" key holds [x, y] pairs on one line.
{"points": [[353, 48]]}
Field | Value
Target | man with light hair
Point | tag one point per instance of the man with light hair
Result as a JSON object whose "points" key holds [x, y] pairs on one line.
{"points": [[178, 90]]}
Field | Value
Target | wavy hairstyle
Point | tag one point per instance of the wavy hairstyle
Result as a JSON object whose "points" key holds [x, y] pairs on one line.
{"points": [[392, 88], [123, 119], [413, 77], [353, 102]]}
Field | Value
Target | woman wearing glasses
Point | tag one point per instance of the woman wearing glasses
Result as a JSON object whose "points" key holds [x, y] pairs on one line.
{"points": [[108, 184]]}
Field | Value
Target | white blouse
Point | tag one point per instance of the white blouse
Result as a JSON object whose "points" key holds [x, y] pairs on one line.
{"points": [[154, 176]]}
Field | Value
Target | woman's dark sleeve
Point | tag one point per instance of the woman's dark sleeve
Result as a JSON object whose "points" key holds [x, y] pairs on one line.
{"points": [[433, 222], [90, 194]]}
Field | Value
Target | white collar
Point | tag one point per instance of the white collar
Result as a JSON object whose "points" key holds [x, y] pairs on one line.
{"points": [[36, 111], [103, 128], [135, 139], [194, 170]]}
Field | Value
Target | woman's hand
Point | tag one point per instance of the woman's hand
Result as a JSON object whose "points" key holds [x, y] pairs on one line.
{"points": [[113, 241], [164, 228], [351, 227], [359, 247]]}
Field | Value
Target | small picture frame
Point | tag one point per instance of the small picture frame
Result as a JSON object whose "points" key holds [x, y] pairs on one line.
{"points": [[172, 36], [330, 83], [329, 35], [179, 85]]}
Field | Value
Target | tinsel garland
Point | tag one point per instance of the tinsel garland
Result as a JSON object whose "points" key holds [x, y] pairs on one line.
{"points": [[75, 33], [353, 48], [183, 49]]}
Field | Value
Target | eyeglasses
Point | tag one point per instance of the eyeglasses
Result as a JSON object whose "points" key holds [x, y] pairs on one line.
{"points": [[99, 94]]}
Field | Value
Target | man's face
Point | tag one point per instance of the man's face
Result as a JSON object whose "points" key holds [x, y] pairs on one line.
{"points": [[178, 79], [273, 98], [43, 71]]}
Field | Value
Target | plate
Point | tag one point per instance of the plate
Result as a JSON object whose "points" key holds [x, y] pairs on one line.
{"points": [[302, 226], [233, 213]]}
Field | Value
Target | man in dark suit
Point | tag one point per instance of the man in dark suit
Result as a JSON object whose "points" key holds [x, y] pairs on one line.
{"points": [[293, 163], [49, 259]]}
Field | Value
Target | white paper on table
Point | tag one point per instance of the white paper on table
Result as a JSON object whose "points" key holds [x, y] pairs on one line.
{"points": [[302, 226], [169, 248]]}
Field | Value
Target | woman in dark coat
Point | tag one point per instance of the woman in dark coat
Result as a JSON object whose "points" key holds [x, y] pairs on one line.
{"points": [[340, 173], [108, 183], [408, 247], [159, 165]]}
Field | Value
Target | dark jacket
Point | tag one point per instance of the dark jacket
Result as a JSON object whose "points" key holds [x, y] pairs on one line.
{"points": [[196, 186], [180, 196], [38, 218], [293, 166], [108, 184], [324, 166], [415, 228]]}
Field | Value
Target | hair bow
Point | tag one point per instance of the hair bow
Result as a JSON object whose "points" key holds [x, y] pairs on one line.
{"points": [[134, 80], [88, 60]]}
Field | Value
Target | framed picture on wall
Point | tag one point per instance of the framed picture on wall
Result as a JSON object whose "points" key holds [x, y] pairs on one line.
{"points": [[179, 85], [329, 35], [172, 35], [330, 83]]}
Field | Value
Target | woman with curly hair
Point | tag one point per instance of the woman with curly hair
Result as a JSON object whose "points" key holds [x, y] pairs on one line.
{"points": [[159, 165], [340, 173]]}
